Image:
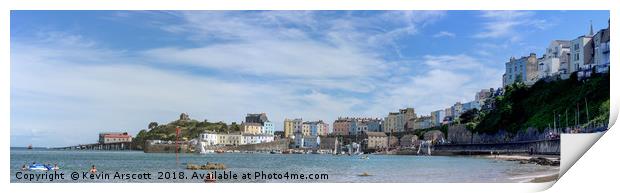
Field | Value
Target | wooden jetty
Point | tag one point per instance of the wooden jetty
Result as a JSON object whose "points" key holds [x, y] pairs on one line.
{"points": [[100, 146]]}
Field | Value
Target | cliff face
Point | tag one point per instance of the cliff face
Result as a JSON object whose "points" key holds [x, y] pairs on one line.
{"points": [[524, 107], [459, 134]]}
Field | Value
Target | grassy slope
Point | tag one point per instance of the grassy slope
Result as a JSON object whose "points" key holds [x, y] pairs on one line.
{"points": [[189, 129], [523, 107]]}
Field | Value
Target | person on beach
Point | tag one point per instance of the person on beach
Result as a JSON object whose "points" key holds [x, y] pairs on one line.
{"points": [[93, 169]]}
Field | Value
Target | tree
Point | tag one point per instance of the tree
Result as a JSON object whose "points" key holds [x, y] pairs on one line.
{"points": [[469, 116], [153, 125]]}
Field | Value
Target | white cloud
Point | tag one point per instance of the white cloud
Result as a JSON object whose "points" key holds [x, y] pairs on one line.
{"points": [[54, 94], [509, 24], [306, 59], [444, 34], [258, 63], [448, 79]]}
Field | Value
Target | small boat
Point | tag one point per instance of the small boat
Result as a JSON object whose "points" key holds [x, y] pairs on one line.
{"points": [[39, 167], [29, 146], [364, 157], [207, 151]]}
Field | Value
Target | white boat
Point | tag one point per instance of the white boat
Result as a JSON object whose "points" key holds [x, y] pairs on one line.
{"points": [[38, 167], [204, 150]]}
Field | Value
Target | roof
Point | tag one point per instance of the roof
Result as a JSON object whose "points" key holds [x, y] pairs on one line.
{"points": [[256, 117], [232, 133], [110, 133], [376, 134], [605, 35], [253, 124], [256, 135], [116, 136]]}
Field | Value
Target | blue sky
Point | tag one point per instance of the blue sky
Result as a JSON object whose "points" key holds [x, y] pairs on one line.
{"points": [[76, 73]]}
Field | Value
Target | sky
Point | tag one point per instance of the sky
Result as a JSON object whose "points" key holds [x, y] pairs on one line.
{"points": [[77, 73]]}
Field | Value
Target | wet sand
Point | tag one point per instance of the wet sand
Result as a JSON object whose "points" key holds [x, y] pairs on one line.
{"points": [[548, 175]]}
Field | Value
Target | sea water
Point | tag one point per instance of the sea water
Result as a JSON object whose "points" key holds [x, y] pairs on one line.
{"points": [[342, 168]]}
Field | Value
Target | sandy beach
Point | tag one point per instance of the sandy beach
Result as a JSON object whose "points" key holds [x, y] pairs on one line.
{"points": [[551, 173]]}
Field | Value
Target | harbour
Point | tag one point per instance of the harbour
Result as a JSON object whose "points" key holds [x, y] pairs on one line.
{"points": [[380, 168]]}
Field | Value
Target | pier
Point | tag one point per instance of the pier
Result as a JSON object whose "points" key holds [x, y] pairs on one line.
{"points": [[100, 146]]}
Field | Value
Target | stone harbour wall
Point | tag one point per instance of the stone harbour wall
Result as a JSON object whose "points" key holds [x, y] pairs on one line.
{"points": [[550, 147]]}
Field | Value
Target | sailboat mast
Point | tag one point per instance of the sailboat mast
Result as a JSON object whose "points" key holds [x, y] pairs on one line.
{"points": [[587, 113]]}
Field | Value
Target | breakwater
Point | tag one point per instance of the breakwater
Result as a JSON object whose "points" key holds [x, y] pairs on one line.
{"points": [[281, 144], [547, 147], [166, 148]]}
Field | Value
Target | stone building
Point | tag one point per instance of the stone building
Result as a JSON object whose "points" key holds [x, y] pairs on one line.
{"points": [[398, 121], [375, 140], [342, 126], [114, 137]]}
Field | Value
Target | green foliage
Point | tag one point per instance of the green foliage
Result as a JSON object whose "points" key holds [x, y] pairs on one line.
{"points": [[603, 113], [470, 116], [442, 128], [522, 107], [189, 129]]}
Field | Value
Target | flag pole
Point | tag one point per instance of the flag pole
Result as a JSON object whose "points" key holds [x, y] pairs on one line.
{"points": [[177, 145]]}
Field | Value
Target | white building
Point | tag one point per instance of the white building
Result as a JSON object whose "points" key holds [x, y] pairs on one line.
{"points": [[601, 50], [556, 59], [209, 138], [582, 52], [234, 138], [255, 139], [301, 141], [229, 139], [311, 141]]}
